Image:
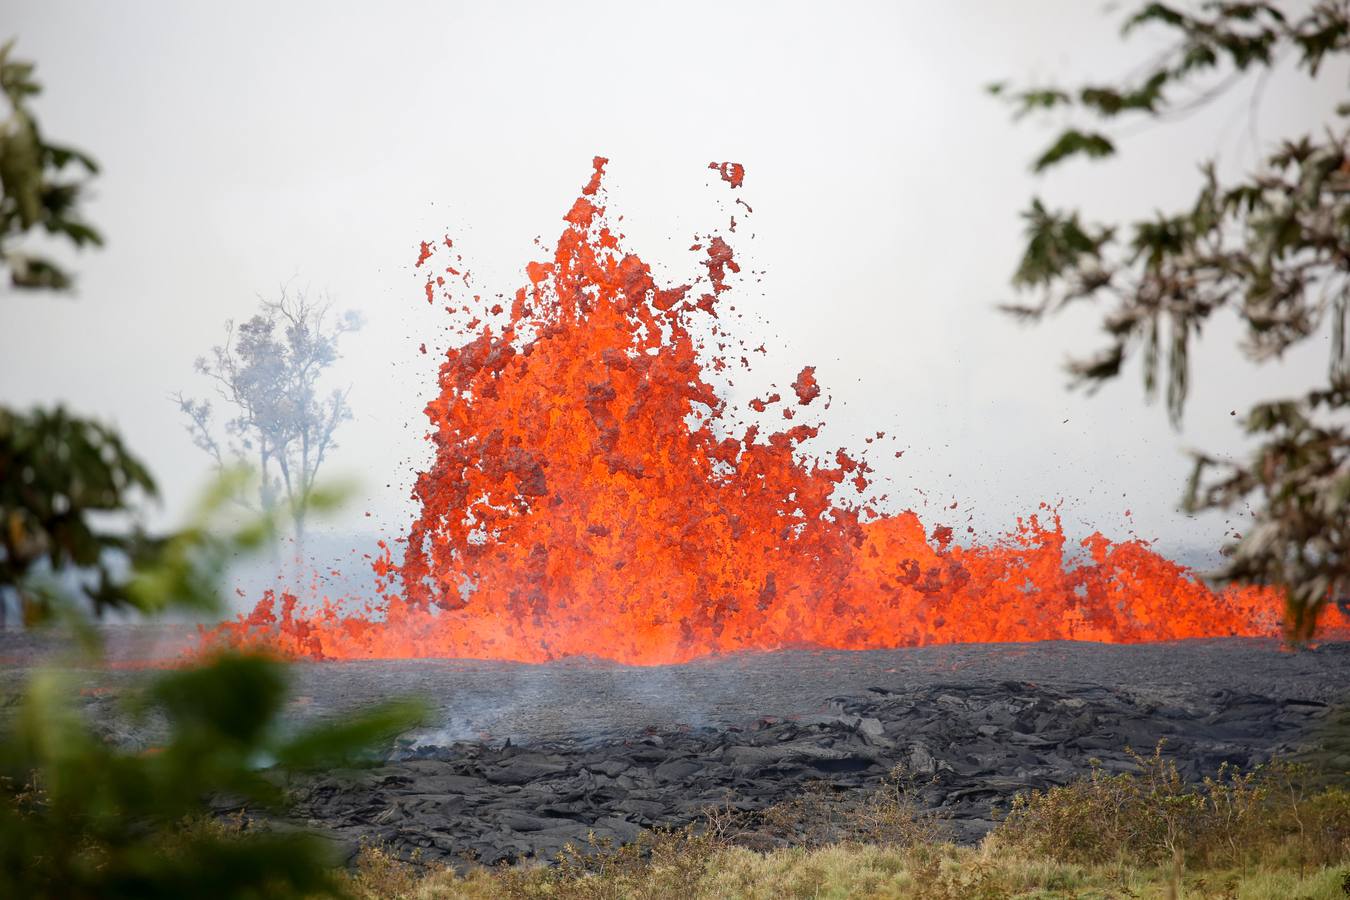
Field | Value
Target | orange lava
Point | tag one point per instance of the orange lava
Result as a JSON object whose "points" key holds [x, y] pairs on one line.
{"points": [[592, 494]]}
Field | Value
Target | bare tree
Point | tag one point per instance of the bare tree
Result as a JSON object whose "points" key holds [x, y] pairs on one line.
{"points": [[268, 371]]}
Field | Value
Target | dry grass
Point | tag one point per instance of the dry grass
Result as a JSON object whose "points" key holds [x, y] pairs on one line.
{"points": [[940, 872], [1240, 836], [823, 814], [1153, 816]]}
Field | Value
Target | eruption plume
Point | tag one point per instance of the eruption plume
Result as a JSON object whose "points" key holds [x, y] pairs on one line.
{"points": [[593, 494]]}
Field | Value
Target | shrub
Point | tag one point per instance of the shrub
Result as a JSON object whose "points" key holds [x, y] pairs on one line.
{"points": [[824, 814], [1154, 816], [83, 818]]}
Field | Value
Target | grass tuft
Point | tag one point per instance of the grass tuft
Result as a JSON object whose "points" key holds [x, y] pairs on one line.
{"points": [[1260, 835], [1268, 815]]}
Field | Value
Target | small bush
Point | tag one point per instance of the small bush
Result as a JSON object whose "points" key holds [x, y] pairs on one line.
{"points": [[1155, 817], [377, 872], [659, 864], [823, 814]]}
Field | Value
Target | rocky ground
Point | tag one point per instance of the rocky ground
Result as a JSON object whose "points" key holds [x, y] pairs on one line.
{"points": [[519, 759]]}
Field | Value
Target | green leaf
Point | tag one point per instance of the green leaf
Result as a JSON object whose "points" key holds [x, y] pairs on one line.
{"points": [[230, 700], [35, 273], [58, 156], [1154, 12], [1057, 244], [78, 232], [332, 745], [1109, 101], [1099, 367], [1039, 99], [1073, 143], [21, 170]]}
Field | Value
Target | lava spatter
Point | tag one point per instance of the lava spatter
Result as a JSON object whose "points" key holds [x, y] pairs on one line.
{"points": [[591, 494]]}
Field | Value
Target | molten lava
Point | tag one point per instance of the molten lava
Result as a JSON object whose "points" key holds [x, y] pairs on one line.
{"points": [[591, 494]]}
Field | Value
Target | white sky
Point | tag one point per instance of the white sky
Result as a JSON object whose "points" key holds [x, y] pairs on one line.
{"points": [[248, 144]]}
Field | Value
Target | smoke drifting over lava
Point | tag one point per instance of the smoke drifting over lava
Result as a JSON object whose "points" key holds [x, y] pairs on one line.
{"points": [[592, 494]]}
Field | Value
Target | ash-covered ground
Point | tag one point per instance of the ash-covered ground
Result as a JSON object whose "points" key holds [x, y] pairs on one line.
{"points": [[520, 759]]}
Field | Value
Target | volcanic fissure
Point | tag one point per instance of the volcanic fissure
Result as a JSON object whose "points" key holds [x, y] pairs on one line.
{"points": [[592, 494]]}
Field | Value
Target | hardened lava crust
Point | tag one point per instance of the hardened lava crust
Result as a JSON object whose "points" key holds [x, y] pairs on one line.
{"points": [[518, 760]]}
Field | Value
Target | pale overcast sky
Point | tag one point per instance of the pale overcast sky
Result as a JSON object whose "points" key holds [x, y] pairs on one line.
{"points": [[249, 144]]}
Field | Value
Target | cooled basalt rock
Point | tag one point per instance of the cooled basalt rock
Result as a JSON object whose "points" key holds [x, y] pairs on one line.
{"points": [[967, 747], [517, 760]]}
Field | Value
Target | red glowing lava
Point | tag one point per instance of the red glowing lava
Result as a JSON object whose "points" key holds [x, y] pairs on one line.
{"points": [[591, 494]]}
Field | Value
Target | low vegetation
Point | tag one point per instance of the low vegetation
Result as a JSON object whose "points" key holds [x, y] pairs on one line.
{"points": [[858, 870], [1236, 818], [1254, 834]]}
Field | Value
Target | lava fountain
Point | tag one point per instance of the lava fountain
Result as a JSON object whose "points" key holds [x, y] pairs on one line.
{"points": [[592, 494]]}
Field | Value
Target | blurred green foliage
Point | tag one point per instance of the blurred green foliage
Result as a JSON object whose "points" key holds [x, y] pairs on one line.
{"points": [[60, 478], [40, 190], [1272, 247], [81, 817]]}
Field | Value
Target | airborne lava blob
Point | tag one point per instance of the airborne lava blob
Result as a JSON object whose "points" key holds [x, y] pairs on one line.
{"points": [[592, 495]]}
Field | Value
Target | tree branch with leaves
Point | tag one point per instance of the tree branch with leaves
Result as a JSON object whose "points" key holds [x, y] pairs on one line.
{"points": [[1273, 247], [40, 190], [68, 484]]}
